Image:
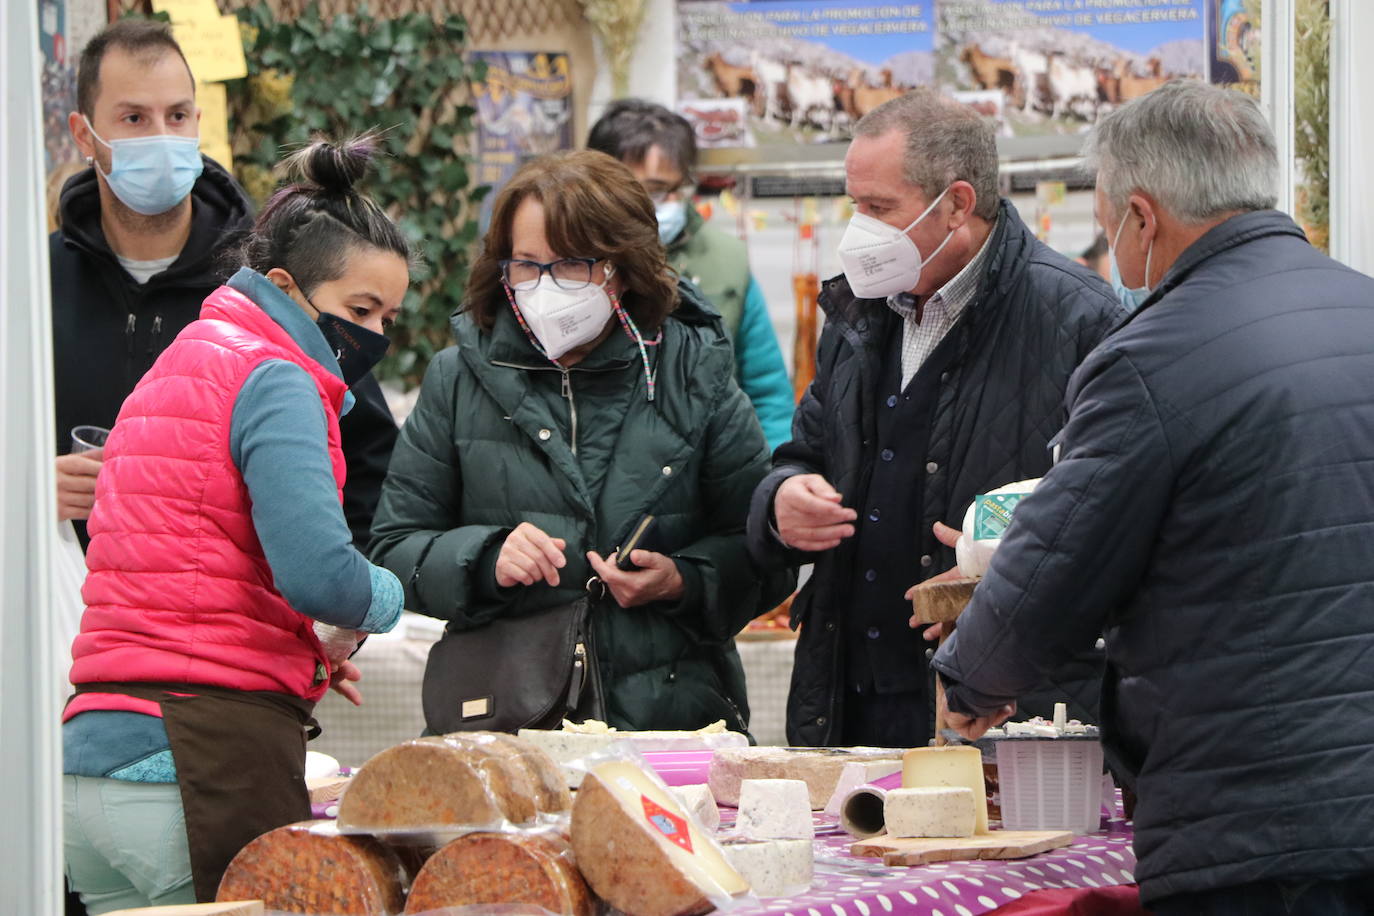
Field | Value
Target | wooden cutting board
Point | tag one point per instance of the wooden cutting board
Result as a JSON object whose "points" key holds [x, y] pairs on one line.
{"points": [[999, 844], [231, 908]]}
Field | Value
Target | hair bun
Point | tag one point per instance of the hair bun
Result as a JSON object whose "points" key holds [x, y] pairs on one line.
{"points": [[333, 166]]}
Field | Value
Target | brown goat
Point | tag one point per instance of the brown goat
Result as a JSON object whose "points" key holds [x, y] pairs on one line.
{"points": [[1131, 86], [989, 72], [732, 80]]}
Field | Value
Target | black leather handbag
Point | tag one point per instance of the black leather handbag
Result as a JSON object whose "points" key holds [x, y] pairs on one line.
{"points": [[521, 672]]}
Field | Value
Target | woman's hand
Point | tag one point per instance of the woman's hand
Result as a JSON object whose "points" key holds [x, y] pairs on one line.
{"points": [[657, 578], [343, 679], [529, 555]]}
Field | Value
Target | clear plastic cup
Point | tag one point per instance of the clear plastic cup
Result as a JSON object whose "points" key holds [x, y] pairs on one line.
{"points": [[88, 439]]}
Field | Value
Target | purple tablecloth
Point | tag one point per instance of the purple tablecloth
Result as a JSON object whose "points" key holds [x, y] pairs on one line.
{"points": [[846, 885]]}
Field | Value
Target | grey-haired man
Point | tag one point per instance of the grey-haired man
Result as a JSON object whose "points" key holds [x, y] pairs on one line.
{"points": [[1212, 511]]}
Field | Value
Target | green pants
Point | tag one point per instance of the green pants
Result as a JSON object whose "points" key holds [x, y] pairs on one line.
{"points": [[125, 843]]}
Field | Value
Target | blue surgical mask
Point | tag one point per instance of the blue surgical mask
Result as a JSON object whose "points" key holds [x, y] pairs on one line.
{"points": [[1131, 298], [151, 175], [672, 219]]}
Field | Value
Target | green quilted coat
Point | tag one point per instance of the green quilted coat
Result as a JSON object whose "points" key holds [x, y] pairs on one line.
{"points": [[500, 436]]}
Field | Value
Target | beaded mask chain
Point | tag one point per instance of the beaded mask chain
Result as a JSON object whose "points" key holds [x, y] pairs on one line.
{"points": [[626, 322]]}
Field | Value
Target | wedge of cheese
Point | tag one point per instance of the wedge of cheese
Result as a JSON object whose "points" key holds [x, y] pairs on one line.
{"points": [[698, 800], [819, 768], [930, 811], [640, 850], [948, 767]]}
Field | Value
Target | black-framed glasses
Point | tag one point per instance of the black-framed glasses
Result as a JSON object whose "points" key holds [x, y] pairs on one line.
{"points": [[567, 273]]}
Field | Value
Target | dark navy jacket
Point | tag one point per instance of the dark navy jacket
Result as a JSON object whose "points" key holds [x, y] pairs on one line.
{"points": [[998, 402], [1213, 511]]}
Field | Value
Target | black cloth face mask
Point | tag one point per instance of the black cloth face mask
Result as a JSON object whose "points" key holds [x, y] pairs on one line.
{"points": [[355, 347]]}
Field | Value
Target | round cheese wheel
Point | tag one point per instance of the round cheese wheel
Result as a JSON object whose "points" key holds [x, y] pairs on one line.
{"points": [[454, 780], [545, 777], [974, 554], [292, 870], [485, 868]]}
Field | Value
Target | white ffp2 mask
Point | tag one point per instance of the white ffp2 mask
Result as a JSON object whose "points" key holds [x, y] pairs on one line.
{"points": [[561, 319], [881, 260]]}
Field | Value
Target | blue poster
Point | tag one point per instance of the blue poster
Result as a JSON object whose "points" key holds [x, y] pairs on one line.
{"points": [[1055, 66], [524, 109], [774, 72]]}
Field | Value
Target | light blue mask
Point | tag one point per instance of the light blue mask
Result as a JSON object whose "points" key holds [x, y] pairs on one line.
{"points": [[672, 219], [1131, 298], [151, 175]]}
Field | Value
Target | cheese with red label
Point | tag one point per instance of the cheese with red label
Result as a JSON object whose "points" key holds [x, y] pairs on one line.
{"points": [[775, 809], [642, 852], [949, 767], [930, 811]]}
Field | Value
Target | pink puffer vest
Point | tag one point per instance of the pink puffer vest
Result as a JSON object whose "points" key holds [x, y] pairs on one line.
{"points": [[179, 589]]}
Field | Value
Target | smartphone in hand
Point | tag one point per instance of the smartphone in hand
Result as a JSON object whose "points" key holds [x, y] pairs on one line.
{"points": [[641, 538]]}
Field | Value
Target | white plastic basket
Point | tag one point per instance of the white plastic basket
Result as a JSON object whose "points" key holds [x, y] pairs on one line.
{"points": [[1050, 784]]}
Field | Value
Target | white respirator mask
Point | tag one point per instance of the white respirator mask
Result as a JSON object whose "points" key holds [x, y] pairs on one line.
{"points": [[881, 260], [561, 319]]}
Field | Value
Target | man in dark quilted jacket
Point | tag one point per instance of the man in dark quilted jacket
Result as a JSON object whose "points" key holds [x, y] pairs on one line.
{"points": [[940, 382], [1212, 511]]}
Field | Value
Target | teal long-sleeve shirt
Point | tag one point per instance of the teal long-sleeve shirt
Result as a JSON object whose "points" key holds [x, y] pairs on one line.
{"points": [[762, 373], [278, 440]]}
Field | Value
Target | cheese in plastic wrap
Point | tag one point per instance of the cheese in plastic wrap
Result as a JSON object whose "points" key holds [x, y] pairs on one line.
{"points": [[985, 522]]}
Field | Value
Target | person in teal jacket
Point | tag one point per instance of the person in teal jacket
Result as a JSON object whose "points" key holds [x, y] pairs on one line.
{"points": [[660, 148]]}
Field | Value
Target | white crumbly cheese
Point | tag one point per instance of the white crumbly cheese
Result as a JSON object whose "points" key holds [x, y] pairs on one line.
{"points": [[930, 811], [698, 800], [775, 809], [773, 868]]}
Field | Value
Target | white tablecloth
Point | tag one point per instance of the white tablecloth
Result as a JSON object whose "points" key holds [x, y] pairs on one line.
{"points": [[393, 665]]}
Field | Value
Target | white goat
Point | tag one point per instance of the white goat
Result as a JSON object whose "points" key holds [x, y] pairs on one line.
{"points": [[810, 93], [1031, 69], [772, 77], [1070, 83]]}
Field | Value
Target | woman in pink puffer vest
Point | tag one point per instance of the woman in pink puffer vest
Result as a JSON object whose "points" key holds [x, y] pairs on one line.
{"points": [[224, 593]]}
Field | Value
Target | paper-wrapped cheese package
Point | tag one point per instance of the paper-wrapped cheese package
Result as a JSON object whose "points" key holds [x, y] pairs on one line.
{"points": [[985, 522]]}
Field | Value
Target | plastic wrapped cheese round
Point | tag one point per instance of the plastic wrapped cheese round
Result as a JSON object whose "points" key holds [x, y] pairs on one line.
{"points": [[984, 523]]}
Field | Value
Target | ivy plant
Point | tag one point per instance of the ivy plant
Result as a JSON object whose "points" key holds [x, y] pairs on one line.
{"points": [[406, 75]]}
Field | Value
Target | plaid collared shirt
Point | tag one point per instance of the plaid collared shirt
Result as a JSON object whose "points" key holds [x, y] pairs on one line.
{"points": [[941, 311]]}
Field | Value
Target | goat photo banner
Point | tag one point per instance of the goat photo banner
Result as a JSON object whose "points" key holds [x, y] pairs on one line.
{"points": [[786, 72]]}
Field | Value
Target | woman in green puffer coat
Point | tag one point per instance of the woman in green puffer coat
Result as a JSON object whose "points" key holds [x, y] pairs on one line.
{"points": [[587, 389]]}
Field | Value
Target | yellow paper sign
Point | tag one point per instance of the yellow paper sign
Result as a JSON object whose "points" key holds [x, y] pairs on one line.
{"points": [[183, 10], [213, 102], [220, 152], [214, 122], [211, 43]]}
